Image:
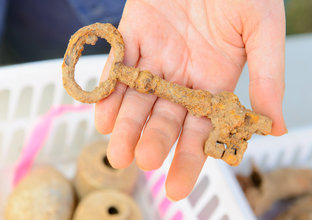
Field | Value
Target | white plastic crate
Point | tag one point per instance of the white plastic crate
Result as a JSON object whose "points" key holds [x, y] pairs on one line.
{"points": [[28, 91]]}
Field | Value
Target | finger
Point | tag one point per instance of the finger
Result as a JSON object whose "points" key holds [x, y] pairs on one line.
{"points": [[189, 157], [107, 109], [160, 133], [131, 118], [265, 55]]}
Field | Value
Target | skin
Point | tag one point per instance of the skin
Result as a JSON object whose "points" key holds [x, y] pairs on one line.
{"points": [[202, 45]]}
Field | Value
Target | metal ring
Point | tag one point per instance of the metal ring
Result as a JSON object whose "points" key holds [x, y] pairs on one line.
{"points": [[89, 35]]}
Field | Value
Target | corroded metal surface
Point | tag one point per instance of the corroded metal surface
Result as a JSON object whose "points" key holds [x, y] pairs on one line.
{"points": [[233, 124]]}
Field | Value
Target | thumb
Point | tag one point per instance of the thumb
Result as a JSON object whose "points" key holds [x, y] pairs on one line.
{"points": [[265, 48]]}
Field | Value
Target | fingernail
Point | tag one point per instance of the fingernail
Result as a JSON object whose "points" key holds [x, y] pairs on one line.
{"points": [[170, 199]]}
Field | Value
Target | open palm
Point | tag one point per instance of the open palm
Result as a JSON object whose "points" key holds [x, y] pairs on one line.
{"points": [[201, 44]]}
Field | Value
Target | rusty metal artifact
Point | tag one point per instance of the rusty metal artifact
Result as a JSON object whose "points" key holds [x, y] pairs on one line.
{"points": [[232, 123]]}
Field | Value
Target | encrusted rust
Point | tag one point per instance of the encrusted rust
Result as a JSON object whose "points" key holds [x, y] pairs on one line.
{"points": [[232, 124]]}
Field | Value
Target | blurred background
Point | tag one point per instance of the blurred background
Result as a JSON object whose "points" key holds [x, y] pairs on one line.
{"points": [[25, 38], [298, 16]]}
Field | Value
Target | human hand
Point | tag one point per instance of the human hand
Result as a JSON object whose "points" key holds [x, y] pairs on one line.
{"points": [[202, 45]]}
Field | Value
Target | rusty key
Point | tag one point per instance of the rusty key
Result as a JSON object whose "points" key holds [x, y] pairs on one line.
{"points": [[232, 123]]}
